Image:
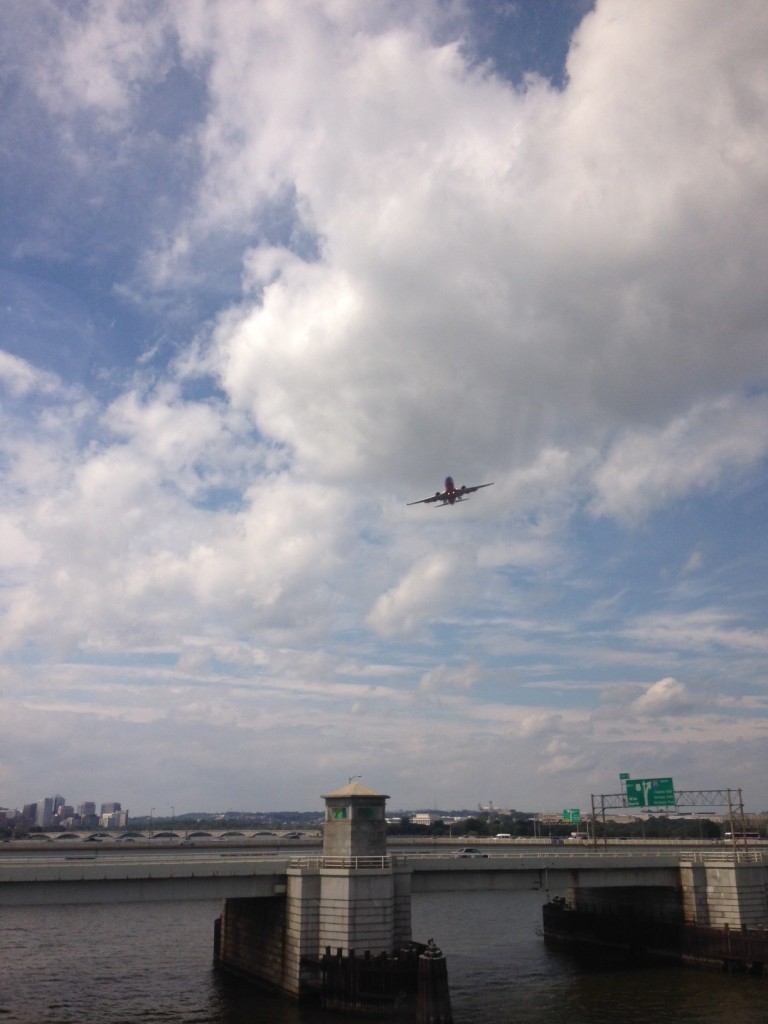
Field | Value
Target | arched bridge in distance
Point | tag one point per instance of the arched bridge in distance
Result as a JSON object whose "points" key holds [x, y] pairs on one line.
{"points": [[100, 835]]}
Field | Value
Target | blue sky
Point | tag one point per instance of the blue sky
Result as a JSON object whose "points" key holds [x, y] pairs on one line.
{"points": [[268, 273]]}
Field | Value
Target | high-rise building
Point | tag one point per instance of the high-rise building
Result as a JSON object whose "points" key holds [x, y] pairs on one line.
{"points": [[44, 813], [116, 819], [87, 812], [110, 808]]}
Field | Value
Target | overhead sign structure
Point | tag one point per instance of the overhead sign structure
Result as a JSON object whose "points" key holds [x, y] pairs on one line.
{"points": [[650, 793], [572, 814]]}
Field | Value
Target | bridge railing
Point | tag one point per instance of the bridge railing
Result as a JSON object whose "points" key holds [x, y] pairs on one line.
{"points": [[355, 863], [739, 856], [558, 853], [610, 854], [501, 858]]}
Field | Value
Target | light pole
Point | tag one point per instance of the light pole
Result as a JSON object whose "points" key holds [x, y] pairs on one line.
{"points": [[151, 813], [173, 813]]}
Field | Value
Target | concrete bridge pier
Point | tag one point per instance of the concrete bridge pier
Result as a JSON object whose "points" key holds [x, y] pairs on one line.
{"points": [[342, 928], [716, 914], [725, 893]]}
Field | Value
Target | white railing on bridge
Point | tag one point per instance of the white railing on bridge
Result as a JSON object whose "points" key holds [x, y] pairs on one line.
{"points": [[599, 853], [739, 856], [355, 863]]}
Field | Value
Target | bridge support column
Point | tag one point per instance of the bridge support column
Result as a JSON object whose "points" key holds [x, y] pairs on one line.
{"points": [[353, 900], [720, 893], [364, 908]]}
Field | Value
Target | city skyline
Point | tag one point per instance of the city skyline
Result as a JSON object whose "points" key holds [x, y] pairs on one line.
{"points": [[268, 277]]}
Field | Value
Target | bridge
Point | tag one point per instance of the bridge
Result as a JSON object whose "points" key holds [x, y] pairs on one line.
{"points": [[286, 906], [122, 874], [102, 835]]}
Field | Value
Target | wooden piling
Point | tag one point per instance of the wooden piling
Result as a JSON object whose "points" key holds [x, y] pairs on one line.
{"points": [[433, 1000]]}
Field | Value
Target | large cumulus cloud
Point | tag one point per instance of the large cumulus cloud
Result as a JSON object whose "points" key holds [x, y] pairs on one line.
{"points": [[435, 271]]}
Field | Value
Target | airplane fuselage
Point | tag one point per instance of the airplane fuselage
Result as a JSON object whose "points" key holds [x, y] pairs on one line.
{"points": [[450, 489], [452, 493]]}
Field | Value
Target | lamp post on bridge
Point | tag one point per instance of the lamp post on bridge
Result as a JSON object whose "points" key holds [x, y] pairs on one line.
{"points": [[151, 813]]}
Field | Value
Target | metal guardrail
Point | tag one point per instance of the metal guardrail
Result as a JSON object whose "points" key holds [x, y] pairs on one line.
{"points": [[345, 863], [557, 853], [500, 859], [738, 856], [560, 853]]}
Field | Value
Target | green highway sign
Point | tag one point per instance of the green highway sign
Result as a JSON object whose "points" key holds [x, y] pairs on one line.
{"points": [[623, 776], [650, 793], [572, 814]]}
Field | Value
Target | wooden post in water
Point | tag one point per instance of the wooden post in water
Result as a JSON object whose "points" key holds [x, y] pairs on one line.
{"points": [[433, 1001]]}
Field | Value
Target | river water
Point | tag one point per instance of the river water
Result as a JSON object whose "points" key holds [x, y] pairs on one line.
{"points": [[152, 964]]}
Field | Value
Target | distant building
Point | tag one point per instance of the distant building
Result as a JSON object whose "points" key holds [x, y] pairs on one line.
{"points": [[116, 819], [44, 812], [425, 818], [112, 808], [87, 814], [28, 815]]}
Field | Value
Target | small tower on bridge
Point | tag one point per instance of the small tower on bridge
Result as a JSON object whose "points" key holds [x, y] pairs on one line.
{"points": [[364, 899], [350, 900], [355, 823], [341, 921]]}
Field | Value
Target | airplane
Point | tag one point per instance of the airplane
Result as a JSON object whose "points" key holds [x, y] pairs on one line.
{"points": [[451, 494]]}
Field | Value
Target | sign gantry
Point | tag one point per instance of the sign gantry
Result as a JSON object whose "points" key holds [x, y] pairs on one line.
{"points": [[661, 793]]}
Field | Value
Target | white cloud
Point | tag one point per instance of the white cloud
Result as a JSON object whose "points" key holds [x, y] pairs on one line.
{"points": [[21, 379], [102, 55], [699, 630], [16, 548], [497, 270], [442, 677], [540, 723], [571, 302], [646, 470], [425, 589], [667, 696], [562, 291], [694, 562]]}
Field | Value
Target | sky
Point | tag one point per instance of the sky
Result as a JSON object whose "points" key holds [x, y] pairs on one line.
{"points": [[269, 272]]}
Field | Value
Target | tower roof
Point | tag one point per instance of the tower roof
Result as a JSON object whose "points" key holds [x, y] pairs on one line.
{"points": [[354, 789]]}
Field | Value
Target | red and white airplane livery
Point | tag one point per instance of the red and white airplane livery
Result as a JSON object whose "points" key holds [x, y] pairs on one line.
{"points": [[451, 494]]}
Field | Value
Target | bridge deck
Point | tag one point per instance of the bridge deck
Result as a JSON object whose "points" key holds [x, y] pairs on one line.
{"points": [[148, 875]]}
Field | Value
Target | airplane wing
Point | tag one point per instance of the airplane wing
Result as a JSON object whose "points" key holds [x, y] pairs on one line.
{"points": [[449, 497], [471, 490], [439, 496]]}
